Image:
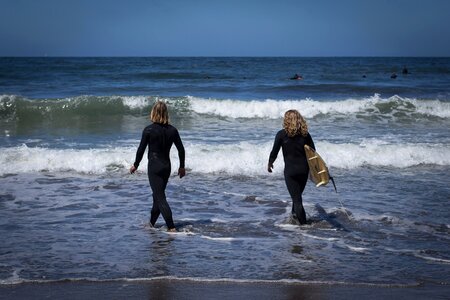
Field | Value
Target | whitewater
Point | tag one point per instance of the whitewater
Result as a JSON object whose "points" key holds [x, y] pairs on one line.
{"points": [[242, 158], [70, 210], [14, 106]]}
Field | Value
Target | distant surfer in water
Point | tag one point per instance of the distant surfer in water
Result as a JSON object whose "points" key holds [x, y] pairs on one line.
{"points": [[159, 138], [296, 77], [292, 139]]}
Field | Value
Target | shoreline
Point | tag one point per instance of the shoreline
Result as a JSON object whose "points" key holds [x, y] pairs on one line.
{"points": [[170, 288]]}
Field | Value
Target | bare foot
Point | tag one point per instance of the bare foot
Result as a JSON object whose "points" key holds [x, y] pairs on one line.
{"points": [[172, 230]]}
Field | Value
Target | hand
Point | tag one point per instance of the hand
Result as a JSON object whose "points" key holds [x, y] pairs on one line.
{"points": [[270, 167], [181, 172], [133, 169]]}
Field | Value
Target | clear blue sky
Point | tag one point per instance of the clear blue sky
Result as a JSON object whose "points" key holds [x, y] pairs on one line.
{"points": [[225, 28]]}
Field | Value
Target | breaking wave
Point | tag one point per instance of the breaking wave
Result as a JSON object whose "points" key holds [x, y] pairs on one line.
{"points": [[15, 107], [240, 159], [394, 106]]}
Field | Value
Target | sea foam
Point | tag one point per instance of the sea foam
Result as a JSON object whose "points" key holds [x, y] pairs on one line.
{"points": [[273, 109], [238, 159], [14, 106]]}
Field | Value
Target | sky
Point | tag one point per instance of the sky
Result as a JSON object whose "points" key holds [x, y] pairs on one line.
{"points": [[225, 28]]}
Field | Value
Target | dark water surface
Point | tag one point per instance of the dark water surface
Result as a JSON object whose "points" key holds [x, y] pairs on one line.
{"points": [[69, 129]]}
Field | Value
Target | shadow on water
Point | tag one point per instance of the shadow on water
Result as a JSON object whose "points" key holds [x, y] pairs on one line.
{"points": [[330, 218], [182, 224]]}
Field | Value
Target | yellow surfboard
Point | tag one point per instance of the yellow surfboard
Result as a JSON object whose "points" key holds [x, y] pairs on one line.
{"points": [[318, 171]]}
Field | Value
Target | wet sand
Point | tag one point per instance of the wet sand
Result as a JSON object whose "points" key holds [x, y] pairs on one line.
{"points": [[189, 289]]}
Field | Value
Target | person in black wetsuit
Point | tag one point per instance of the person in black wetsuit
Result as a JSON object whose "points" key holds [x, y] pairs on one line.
{"points": [[297, 77], [159, 138], [292, 139]]}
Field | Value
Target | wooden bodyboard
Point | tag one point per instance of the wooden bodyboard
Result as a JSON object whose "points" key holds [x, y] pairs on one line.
{"points": [[318, 171]]}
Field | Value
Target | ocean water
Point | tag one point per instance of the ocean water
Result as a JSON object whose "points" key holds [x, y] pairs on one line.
{"points": [[70, 127]]}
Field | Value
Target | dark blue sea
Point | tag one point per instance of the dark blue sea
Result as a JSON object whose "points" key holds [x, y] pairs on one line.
{"points": [[70, 127]]}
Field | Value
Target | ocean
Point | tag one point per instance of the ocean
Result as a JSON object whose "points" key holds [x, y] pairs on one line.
{"points": [[69, 209]]}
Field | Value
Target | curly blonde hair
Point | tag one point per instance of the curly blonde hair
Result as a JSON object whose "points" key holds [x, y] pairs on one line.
{"points": [[294, 123], [159, 113]]}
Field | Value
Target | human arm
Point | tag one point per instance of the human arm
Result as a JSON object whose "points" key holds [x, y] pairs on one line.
{"points": [[140, 152], [274, 153], [181, 154], [309, 141]]}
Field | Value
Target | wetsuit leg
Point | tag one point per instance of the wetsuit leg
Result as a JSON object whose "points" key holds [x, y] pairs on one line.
{"points": [[158, 175], [296, 184], [154, 215]]}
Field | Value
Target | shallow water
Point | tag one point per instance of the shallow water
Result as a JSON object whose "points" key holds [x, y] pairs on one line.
{"points": [[89, 227], [70, 210]]}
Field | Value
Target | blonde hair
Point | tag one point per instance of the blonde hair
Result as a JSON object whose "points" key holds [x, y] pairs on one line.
{"points": [[159, 113], [294, 123]]}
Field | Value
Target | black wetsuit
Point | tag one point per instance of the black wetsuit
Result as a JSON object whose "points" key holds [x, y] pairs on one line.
{"points": [[159, 139], [296, 167]]}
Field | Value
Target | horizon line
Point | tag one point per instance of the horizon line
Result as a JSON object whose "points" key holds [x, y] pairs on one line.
{"points": [[216, 56]]}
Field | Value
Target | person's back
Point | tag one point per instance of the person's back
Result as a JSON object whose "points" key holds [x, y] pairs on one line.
{"points": [[160, 138], [292, 139], [294, 152]]}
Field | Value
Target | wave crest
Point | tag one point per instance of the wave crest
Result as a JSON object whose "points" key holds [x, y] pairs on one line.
{"points": [[373, 106], [16, 107], [239, 159]]}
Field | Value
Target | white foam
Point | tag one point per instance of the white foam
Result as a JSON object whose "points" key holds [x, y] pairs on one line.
{"points": [[217, 220], [381, 154], [247, 158], [309, 108], [136, 102], [139, 102], [243, 158], [290, 227], [271, 109], [35, 159], [14, 279], [220, 239], [330, 239], [188, 219], [434, 259], [179, 233], [357, 249], [238, 159], [210, 280], [433, 108]]}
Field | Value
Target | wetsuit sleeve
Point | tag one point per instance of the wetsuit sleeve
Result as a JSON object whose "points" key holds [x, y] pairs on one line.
{"points": [[141, 149], [276, 148], [179, 144], [310, 142]]}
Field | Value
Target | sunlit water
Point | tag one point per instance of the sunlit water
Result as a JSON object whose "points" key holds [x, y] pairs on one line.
{"points": [[70, 210]]}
